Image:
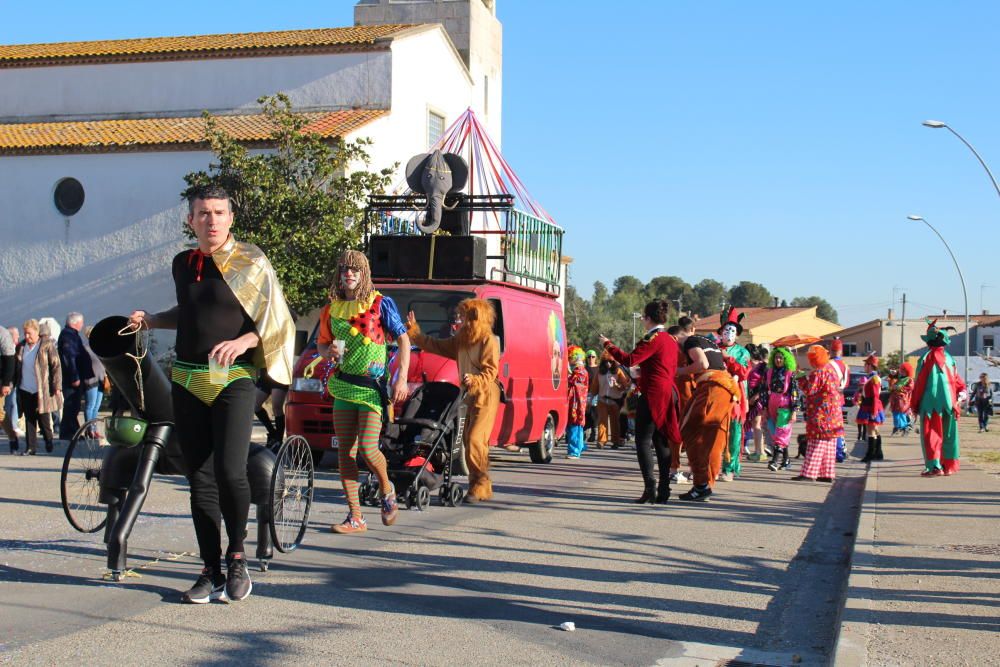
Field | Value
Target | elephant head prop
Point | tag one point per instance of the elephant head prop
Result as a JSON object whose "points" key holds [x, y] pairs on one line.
{"points": [[436, 175]]}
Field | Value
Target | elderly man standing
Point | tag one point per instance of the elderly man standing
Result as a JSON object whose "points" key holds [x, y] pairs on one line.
{"points": [[38, 377], [77, 372]]}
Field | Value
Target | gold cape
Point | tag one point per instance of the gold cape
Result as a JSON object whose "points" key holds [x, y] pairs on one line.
{"points": [[252, 279]]}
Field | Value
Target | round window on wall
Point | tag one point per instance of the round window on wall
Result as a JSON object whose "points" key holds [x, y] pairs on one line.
{"points": [[69, 196]]}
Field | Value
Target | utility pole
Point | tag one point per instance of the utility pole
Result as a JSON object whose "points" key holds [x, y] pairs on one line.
{"points": [[902, 331]]}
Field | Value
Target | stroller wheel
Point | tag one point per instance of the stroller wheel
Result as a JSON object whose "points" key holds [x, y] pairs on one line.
{"points": [[423, 498], [455, 495]]}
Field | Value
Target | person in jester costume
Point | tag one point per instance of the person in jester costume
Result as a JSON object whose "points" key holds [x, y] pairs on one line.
{"points": [[730, 330], [935, 402], [353, 330]]}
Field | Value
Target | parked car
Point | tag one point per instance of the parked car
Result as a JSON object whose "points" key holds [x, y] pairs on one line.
{"points": [[532, 365]]}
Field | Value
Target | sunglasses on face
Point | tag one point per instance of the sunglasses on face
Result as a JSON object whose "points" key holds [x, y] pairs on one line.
{"points": [[344, 268]]}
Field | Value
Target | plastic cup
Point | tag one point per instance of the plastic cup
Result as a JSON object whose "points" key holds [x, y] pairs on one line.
{"points": [[217, 373], [337, 347]]}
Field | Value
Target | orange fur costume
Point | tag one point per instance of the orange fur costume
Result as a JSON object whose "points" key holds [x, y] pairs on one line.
{"points": [[477, 352]]}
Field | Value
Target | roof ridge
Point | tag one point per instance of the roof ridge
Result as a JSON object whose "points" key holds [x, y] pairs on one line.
{"points": [[176, 132], [397, 26], [344, 37]]}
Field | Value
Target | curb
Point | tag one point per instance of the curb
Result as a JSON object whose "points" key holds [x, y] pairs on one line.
{"points": [[851, 646]]}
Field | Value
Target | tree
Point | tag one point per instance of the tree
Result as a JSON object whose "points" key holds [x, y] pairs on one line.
{"points": [[301, 202], [708, 297], [823, 307], [629, 284], [600, 294], [670, 288], [888, 362], [750, 295]]}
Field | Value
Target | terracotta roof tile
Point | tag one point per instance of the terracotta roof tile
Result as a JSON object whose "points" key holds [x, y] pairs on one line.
{"points": [[117, 135], [754, 317], [169, 47]]}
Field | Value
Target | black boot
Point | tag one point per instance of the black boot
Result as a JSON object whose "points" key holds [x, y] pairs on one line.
{"points": [[279, 428], [648, 496], [784, 459], [663, 491], [878, 449], [265, 419], [773, 465], [14, 447], [870, 453]]}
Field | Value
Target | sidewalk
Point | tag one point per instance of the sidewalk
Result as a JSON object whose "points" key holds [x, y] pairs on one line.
{"points": [[924, 587]]}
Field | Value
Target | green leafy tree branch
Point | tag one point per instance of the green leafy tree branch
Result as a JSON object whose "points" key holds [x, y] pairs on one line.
{"points": [[301, 200]]}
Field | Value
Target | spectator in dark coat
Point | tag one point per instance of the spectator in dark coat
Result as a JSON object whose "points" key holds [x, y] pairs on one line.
{"points": [[77, 373], [7, 395]]}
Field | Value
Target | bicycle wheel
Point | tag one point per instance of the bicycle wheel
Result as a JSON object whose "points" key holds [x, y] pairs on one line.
{"points": [[291, 493], [80, 482]]}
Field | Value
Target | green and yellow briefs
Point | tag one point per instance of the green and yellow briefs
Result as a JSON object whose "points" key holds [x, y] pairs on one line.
{"points": [[364, 327], [195, 378]]}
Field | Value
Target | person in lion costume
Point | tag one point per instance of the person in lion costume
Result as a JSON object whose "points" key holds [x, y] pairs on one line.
{"points": [[477, 351]]}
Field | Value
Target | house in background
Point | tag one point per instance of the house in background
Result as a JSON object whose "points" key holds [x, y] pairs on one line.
{"points": [[95, 137], [766, 325], [885, 336]]}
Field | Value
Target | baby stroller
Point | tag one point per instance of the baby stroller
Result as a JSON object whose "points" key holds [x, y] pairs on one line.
{"points": [[420, 447]]}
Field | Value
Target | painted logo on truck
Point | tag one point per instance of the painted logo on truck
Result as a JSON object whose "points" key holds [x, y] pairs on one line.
{"points": [[557, 347]]}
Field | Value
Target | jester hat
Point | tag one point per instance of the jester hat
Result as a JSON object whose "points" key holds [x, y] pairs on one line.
{"points": [[871, 360], [936, 337], [730, 316], [906, 368]]}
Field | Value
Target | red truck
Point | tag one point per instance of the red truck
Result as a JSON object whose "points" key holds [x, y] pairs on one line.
{"points": [[532, 362]]}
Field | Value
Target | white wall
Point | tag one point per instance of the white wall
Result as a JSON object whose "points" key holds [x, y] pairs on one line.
{"points": [[112, 256], [426, 74], [333, 80], [981, 331]]}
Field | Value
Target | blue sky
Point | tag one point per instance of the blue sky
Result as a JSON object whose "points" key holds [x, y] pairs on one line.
{"points": [[777, 142]]}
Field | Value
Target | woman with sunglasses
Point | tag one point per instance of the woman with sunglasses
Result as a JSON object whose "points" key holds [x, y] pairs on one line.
{"points": [[353, 331]]}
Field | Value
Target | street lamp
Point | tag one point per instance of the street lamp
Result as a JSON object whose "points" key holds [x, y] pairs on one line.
{"points": [[936, 124], [635, 318], [965, 293]]}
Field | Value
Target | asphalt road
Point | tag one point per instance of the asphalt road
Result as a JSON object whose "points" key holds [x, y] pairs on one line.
{"points": [[756, 574]]}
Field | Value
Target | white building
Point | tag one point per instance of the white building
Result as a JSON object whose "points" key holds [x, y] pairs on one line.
{"points": [[122, 119]]}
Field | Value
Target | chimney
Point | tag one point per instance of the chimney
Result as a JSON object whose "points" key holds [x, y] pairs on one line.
{"points": [[944, 314], [890, 315]]}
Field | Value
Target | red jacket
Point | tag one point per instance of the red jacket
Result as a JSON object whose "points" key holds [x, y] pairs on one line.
{"points": [[656, 355]]}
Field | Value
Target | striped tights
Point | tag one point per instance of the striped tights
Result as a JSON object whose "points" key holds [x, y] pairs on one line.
{"points": [[356, 427]]}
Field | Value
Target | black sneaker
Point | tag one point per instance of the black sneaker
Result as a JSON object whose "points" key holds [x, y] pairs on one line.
{"points": [[699, 493], [238, 584], [211, 585]]}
